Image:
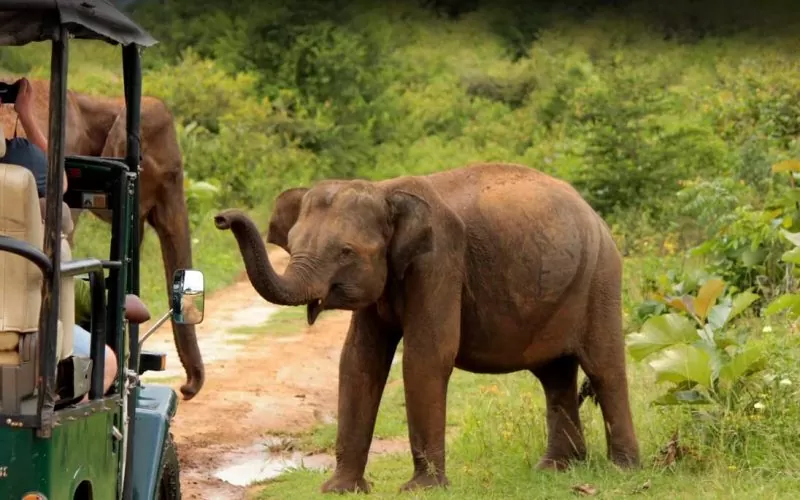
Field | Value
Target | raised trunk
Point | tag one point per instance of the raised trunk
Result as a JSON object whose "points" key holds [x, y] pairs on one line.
{"points": [[284, 290]]}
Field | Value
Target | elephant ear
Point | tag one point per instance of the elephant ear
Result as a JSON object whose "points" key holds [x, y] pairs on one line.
{"points": [[284, 216], [413, 231]]}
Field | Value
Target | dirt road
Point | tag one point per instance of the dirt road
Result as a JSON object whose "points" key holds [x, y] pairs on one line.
{"points": [[257, 386]]}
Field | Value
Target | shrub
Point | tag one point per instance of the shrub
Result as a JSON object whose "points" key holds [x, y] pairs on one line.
{"points": [[696, 352]]}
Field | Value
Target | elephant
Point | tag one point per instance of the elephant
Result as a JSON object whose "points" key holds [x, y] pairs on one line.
{"points": [[490, 268], [96, 127]]}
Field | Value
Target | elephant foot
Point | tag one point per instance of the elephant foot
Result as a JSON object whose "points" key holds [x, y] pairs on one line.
{"points": [[425, 481], [625, 459], [557, 464], [338, 484]]}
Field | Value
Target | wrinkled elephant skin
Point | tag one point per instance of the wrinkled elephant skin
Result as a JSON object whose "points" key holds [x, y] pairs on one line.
{"points": [[490, 268], [96, 127]]}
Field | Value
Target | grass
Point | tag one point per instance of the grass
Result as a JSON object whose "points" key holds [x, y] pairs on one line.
{"points": [[497, 434], [285, 321]]}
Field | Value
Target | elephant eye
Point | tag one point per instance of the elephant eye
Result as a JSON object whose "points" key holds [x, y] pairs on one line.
{"points": [[347, 251]]}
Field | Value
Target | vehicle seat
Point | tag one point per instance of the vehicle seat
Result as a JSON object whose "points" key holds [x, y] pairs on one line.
{"points": [[21, 288]]}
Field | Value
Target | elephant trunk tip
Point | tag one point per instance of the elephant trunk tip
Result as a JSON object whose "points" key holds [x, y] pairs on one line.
{"points": [[223, 220], [192, 386]]}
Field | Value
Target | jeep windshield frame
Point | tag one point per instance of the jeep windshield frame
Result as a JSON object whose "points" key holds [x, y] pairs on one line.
{"points": [[26, 21]]}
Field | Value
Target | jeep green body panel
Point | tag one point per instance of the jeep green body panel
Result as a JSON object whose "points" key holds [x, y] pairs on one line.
{"points": [[80, 449]]}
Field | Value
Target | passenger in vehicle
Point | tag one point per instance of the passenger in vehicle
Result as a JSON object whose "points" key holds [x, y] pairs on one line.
{"points": [[30, 153]]}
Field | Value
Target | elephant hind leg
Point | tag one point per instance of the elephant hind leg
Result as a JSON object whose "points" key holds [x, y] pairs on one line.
{"points": [[603, 360], [565, 441]]}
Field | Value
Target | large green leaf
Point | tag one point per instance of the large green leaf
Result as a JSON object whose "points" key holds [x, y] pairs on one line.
{"points": [[792, 237], [749, 359], [718, 315], [752, 258], [202, 186], [792, 256], [660, 332], [741, 302], [682, 363], [789, 301]]}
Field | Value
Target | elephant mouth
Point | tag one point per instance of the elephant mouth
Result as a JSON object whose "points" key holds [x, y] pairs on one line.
{"points": [[313, 309]]}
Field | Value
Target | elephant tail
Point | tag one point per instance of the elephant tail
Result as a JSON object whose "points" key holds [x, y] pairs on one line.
{"points": [[586, 391]]}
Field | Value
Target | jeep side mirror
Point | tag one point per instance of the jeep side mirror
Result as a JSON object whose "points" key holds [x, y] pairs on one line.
{"points": [[188, 297]]}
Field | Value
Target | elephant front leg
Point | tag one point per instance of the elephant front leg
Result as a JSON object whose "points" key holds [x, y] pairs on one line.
{"points": [[430, 345], [363, 369], [426, 378]]}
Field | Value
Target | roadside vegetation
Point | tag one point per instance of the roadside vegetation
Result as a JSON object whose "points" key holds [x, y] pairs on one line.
{"points": [[680, 126]]}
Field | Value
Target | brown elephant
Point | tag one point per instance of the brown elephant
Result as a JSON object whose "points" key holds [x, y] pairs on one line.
{"points": [[96, 127], [490, 268]]}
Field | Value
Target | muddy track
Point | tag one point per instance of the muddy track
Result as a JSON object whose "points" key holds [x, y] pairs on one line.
{"points": [[257, 386]]}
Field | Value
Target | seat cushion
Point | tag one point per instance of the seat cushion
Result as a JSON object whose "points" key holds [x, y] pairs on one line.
{"points": [[21, 217], [9, 341], [20, 279], [9, 358]]}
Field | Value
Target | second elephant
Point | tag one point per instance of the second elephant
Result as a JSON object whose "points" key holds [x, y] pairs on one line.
{"points": [[490, 268]]}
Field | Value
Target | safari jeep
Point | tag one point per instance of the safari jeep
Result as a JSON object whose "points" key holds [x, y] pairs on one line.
{"points": [[61, 436]]}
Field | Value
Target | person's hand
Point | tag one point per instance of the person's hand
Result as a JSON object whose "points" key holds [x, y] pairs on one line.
{"points": [[24, 102]]}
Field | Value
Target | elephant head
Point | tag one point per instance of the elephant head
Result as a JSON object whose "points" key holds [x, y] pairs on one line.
{"points": [[346, 239]]}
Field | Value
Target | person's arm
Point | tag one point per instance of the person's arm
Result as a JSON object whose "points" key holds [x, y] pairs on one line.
{"points": [[24, 108], [25, 111]]}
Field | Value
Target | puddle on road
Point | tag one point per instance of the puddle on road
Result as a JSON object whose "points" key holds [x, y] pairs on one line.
{"points": [[257, 463]]}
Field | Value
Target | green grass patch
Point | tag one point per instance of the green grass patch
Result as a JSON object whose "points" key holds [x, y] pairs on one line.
{"points": [[505, 476], [286, 321], [497, 433]]}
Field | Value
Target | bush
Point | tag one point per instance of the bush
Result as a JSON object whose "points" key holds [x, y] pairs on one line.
{"points": [[695, 352]]}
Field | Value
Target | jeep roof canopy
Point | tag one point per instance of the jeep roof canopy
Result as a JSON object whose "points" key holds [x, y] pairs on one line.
{"points": [[25, 21]]}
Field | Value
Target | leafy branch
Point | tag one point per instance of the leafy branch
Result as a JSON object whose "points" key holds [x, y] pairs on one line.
{"points": [[693, 350]]}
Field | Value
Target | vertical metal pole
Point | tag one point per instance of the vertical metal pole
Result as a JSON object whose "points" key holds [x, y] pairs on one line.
{"points": [[133, 91], [99, 333], [48, 317]]}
